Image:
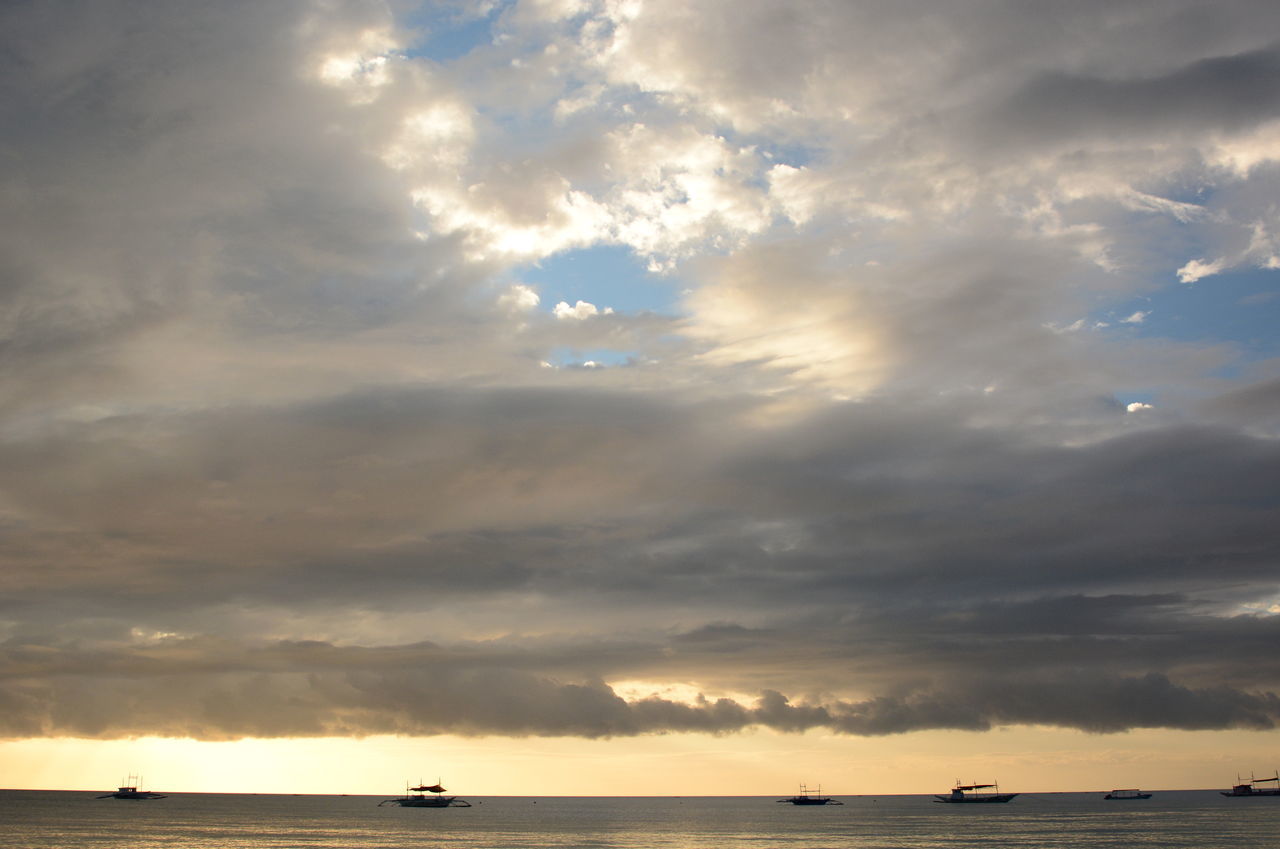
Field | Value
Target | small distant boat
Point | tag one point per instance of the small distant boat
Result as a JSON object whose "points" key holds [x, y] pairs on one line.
{"points": [[805, 799], [1251, 788], [972, 793], [1126, 795], [129, 790], [415, 797]]}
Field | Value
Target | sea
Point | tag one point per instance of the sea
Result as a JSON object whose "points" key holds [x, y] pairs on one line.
{"points": [[1202, 819]]}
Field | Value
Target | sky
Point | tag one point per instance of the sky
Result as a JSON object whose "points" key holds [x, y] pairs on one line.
{"points": [[639, 397]]}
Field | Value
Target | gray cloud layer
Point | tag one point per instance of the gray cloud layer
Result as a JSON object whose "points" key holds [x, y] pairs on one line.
{"points": [[283, 454], [319, 689]]}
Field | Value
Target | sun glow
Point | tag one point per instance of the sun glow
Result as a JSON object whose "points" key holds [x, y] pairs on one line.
{"points": [[680, 693]]}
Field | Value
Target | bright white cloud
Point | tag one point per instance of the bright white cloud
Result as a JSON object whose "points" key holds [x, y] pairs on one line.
{"points": [[1243, 152], [359, 65], [1198, 269], [580, 311], [562, 220], [439, 135], [678, 191], [520, 297]]}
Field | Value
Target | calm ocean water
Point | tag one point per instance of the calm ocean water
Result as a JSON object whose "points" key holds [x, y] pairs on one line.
{"points": [[1194, 818]]}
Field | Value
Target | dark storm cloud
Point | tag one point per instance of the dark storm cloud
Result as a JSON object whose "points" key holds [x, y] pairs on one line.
{"points": [[505, 482], [312, 689], [285, 451], [877, 552], [1227, 93], [1256, 403]]}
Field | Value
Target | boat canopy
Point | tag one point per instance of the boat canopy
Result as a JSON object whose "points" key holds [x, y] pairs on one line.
{"points": [[424, 788], [973, 786]]}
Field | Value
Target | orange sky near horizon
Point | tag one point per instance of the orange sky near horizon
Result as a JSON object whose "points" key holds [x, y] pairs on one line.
{"points": [[761, 762]]}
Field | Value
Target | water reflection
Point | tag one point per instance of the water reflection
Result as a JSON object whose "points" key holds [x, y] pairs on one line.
{"points": [[1196, 819]]}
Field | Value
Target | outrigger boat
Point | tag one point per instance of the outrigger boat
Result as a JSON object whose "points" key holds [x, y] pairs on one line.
{"points": [[129, 790], [415, 797], [805, 799], [1126, 795], [1250, 788], [968, 793]]}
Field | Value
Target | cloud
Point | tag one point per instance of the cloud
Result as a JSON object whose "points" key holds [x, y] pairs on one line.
{"points": [[421, 690], [596, 517], [520, 297], [580, 311], [1245, 152], [284, 454], [1198, 269], [1228, 93]]}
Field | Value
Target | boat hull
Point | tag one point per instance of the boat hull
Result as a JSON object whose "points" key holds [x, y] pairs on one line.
{"points": [[809, 800], [976, 800], [1233, 794], [132, 793], [421, 802]]}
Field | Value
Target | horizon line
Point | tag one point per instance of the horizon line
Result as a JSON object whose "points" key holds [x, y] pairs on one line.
{"points": [[602, 795]]}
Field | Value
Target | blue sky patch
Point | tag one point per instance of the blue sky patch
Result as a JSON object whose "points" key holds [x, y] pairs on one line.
{"points": [[567, 357], [448, 34], [605, 275], [1239, 307]]}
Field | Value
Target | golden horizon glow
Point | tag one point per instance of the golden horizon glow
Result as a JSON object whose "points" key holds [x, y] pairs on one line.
{"points": [[756, 763]]}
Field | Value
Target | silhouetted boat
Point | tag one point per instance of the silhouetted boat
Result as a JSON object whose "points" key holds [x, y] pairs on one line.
{"points": [[415, 797], [129, 790], [1126, 795], [970, 793], [1250, 788], [805, 799]]}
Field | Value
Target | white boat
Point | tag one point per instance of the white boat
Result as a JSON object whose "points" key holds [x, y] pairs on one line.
{"points": [[1126, 795], [416, 797]]}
